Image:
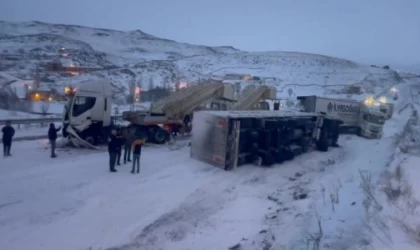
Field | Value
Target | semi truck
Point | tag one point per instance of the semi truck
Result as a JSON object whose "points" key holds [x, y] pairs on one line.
{"points": [[386, 107], [87, 118], [229, 139], [362, 118]]}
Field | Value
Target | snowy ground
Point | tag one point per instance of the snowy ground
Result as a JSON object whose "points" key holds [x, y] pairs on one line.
{"points": [[73, 202]]}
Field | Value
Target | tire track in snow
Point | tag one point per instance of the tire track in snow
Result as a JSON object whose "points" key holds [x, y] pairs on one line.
{"points": [[193, 213]]}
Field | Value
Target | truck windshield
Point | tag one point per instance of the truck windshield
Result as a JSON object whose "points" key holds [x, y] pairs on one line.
{"points": [[82, 104], [374, 119]]}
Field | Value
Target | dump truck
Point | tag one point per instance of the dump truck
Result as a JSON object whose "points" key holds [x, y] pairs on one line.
{"points": [[361, 118], [87, 116], [229, 139]]}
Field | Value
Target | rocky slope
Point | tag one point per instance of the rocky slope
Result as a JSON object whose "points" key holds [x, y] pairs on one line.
{"points": [[143, 58]]}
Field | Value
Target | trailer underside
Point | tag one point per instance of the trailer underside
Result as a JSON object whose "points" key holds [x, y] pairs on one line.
{"points": [[230, 142]]}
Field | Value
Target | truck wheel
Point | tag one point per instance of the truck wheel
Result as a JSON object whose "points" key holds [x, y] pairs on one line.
{"points": [[65, 133], [160, 136], [288, 155], [267, 159], [323, 145], [89, 138]]}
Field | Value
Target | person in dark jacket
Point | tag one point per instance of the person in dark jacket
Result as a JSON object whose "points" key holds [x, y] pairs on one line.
{"points": [[8, 133], [136, 148], [128, 135], [113, 148], [52, 136], [121, 143]]}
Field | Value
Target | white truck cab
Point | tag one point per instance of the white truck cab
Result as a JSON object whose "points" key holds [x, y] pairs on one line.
{"points": [[386, 107], [88, 110], [371, 121]]}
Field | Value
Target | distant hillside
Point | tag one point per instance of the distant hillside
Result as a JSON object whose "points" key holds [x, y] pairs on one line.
{"points": [[136, 56]]}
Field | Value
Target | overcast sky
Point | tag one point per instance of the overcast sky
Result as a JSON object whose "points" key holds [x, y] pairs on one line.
{"points": [[369, 31]]}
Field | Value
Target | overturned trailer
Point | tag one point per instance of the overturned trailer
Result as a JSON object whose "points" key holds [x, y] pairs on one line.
{"points": [[228, 139]]}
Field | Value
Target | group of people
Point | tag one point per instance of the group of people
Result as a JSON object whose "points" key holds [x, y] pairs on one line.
{"points": [[8, 132], [119, 139], [124, 138]]}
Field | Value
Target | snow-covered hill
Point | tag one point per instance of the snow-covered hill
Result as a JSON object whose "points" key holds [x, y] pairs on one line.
{"points": [[135, 55]]}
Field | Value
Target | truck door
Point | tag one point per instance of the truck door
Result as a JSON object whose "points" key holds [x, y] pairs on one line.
{"points": [[81, 111]]}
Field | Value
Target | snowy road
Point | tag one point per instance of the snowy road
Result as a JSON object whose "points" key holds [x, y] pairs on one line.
{"points": [[183, 202], [73, 202]]}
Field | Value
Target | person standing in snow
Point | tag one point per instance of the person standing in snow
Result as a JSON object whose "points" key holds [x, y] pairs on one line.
{"points": [[120, 145], [128, 141], [8, 133], [52, 136], [113, 148], [136, 147]]}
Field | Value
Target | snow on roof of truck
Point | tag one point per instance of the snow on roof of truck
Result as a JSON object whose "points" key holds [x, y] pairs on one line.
{"points": [[258, 113]]}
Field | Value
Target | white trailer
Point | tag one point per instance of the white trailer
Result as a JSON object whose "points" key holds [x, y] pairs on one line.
{"points": [[362, 118], [228, 139]]}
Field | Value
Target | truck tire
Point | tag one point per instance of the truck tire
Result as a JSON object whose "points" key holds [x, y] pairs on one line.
{"points": [[288, 155], [267, 159], [323, 144], [90, 139], [278, 157], [160, 136], [359, 132], [65, 133]]}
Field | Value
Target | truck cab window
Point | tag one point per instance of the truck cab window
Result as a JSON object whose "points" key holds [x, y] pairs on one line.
{"points": [[214, 106], [83, 104]]}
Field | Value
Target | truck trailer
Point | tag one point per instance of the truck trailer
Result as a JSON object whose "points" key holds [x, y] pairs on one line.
{"points": [[229, 139], [361, 118]]}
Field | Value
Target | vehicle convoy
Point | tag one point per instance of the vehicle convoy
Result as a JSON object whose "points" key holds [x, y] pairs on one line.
{"points": [[87, 115], [361, 118], [229, 139]]}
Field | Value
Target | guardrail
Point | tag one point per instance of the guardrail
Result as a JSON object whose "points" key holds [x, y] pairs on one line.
{"points": [[31, 121], [45, 120]]}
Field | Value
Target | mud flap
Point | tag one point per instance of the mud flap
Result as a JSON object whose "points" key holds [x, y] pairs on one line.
{"points": [[76, 141]]}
